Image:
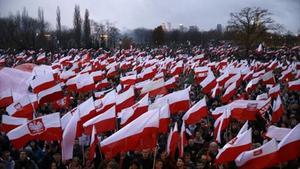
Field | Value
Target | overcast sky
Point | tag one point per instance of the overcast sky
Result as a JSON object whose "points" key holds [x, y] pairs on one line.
{"points": [[129, 14]]}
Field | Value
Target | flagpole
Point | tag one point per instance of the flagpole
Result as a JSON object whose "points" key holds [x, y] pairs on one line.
{"points": [[154, 156]]}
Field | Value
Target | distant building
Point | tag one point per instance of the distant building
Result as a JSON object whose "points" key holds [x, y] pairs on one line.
{"points": [[194, 28], [219, 28]]}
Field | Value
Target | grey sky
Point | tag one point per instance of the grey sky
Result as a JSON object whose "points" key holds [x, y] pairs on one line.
{"points": [[128, 14]]}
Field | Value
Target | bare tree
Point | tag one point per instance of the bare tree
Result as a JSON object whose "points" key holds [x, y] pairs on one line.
{"points": [[77, 26], [87, 29], [58, 25], [250, 25]]}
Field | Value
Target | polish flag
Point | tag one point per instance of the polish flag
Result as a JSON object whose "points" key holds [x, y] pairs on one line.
{"points": [[289, 147], [182, 140], [237, 145], [146, 74], [103, 122], [108, 101], [128, 80], [172, 142], [196, 112], [112, 71], [69, 135], [71, 84], [259, 158], [41, 58], [294, 85], [234, 79], [221, 124], [171, 83], [154, 88], [129, 114], [278, 133], [268, 78], [286, 75], [64, 120], [229, 93], [6, 98], [98, 75], [139, 134], [46, 128], [248, 76], [42, 82], [102, 84], [8, 123], [164, 118], [277, 109], [93, 144], [179, 101], [274, 91], [178, 69], [24, 107], [252, 84], [208, 83], [215, 91], [221, 80], [125, 99], [85, 83], [62, 103], [49, 95]]}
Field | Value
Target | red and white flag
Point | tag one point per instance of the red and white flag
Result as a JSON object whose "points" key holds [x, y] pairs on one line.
{"points": [[277, 109], [102, 84], [229, 93], [42, 82], [221, 124], [85, 83], [179, 101], [129, 114], [182, 140], [278, 133], [93, 144], [268, 78], [242, 142], [294, 85], [24, 107], [46, 128], [125, 99], [172, 142], [103, 122], [252, 84], [171, 83], [154, 88], [208, 83], [106, 102], [286, 75], [9, 122], [274, 91], [139, 134], [6, 98], [289, 147], [259, 158], [128, 80], [196, 112], [164, 118], [50, 95], [69, 136]]}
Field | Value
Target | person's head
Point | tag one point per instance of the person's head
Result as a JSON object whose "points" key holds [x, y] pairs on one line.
{"points": [[5, 155], [53, 165], [191, 142], [145, 153], [163, 156], [179, 163], [57, 157], [23, 155], [187, 157], [134, 165], [158, 164], [198, 135], [213, 148]]}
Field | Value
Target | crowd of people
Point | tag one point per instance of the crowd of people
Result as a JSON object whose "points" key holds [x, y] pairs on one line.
{"points": [[201, 149]]}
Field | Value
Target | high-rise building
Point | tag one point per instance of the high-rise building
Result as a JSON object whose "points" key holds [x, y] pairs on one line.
{"points": [[219, 27]]}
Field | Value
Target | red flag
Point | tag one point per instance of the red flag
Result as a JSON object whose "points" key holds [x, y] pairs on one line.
{"points": [[129, 114], [237, 145], [139, 134], [94, 144], [196, 112], [103, 122], [24, 107], [154, 88], [229, 93], [164, 118], [268, 78], [294, 85], [277, 110], [6, 98], [51, 94], [42, 82], [259, 158], [46, 128], [85, 83], [9, 123], [274, 91], [289, 147], [208, 83], [286, 75], [221, 124], [172, 142], [252, 84], [125, 99], [128, 80]]}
